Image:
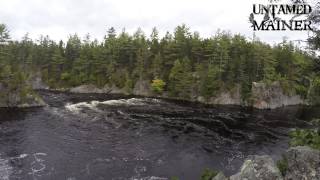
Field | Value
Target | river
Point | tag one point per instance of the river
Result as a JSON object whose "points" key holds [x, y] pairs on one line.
{"points": [[87, 136]]}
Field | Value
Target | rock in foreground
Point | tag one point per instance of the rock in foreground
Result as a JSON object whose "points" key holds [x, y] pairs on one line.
{"points": [[258, 168], [303, 163]]}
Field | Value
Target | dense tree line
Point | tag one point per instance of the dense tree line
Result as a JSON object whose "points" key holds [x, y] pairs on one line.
{"points": [[183, 62]]}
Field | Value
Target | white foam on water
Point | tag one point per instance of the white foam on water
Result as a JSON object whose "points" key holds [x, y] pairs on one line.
{"points": [[132, 101], [38, 155], [5, 169], [76, 108], [150, 178], [71, 178], [38, 165], [21, 156]]}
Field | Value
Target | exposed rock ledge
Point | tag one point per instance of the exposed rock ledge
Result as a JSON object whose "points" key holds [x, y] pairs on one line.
{"points": [[36, 82], [14, 100], [89, 88], [20, 98], [86, 89], [303, 163], [264, 96], [272, 96]]}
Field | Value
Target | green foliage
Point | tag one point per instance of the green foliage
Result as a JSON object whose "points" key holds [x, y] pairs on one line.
{"points": [[208, 174], [158, 85], [180, 79], [286, 86], [301, 90], [65, 76], [282, 165], [305, 137], [128, 84], [4, 33], [189, 64], [211, 84], [174, 178]]}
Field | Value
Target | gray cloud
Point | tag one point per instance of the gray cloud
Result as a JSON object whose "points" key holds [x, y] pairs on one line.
{"points": [[59, 18]]}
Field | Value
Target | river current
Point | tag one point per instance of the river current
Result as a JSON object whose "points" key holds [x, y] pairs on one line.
{"points": [[87, 136]]}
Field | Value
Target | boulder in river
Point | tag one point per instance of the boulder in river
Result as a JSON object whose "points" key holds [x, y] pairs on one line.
{"points": [[258, 168]]}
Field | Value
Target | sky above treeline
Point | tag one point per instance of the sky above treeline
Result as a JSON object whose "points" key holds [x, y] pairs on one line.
{"points": [[60, 18]]}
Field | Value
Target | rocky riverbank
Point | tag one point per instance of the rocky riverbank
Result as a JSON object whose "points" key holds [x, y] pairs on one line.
{"points": [[298, 163], [263, 96], [14, 100], [19, 97]]}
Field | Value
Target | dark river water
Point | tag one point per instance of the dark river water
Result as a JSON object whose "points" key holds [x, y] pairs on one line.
{"points": [[84, 137]]}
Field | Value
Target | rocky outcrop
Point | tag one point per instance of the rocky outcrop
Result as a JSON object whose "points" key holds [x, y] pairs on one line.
{"points": [[232, 97], [22, 94], [86, 89], [16, 99], [30, 101], [316, 122], [303, 163], [272, 96], [113, 89], [220, 176], [142, 88], [89, 88], [36, 82], [264, 96], [258, 168]]}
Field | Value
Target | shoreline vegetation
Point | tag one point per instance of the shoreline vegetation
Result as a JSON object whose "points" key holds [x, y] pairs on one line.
{"points": [[222, 69]]}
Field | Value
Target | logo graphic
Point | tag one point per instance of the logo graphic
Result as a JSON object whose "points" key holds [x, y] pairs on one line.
{"points": [[281, 17]]}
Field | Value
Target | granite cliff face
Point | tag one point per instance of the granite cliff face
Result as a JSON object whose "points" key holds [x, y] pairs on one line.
{"points": [[36, 82], [16, 98], [263, 96], [90, 88], [142, 88], [272, 96], [86, 88], [232, 97]]}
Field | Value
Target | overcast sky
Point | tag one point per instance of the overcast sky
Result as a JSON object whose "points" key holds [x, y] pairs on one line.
{"points": [[59, 18]]}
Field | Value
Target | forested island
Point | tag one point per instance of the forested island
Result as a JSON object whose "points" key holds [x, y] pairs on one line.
{"points": [[180, 65]]}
